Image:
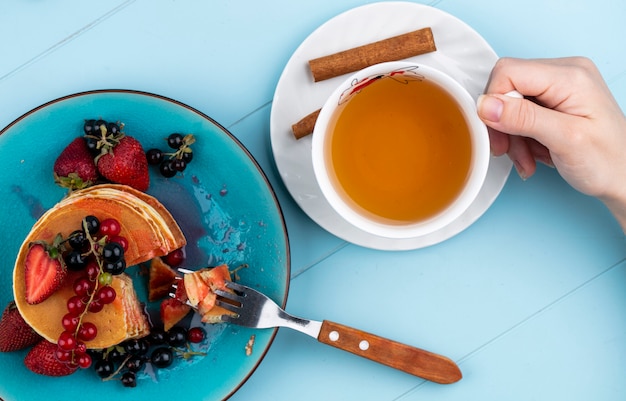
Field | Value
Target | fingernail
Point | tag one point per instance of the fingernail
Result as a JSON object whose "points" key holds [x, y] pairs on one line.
{"points": [[547, 160], [490, 108], [520, 170]]}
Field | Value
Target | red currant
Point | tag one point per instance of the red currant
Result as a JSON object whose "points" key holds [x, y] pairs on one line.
{"points": [[67, 341], [195, 335], [175, 258], [76, 306], [120, 240], [110, 227], [95, 306], [106, 295], [84, 361], [83, 287], [81, 348], [63, 355], [87, 331], [70, 322], [92, 270]]}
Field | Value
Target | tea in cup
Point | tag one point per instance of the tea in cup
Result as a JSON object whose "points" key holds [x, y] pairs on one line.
{"points": [[399, 151]]}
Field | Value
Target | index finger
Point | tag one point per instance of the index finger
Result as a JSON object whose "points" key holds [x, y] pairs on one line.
{"points": [[542, 79]]}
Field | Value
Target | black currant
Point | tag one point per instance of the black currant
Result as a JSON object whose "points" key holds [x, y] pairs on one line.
{"points": [[129, 379], [75, 261], [113, 128], [112, 252], [88, 127], [78, 240], [162, 357], [187, 155], [104, 368], [97, 127], [157, 336], [166, 169], [96, 354], [136, 346], [177, 336], [92, 145], [175, 140], [154, 156], [115, 268], [135, 363], [92, 223], [115, 354], [179, 165]]}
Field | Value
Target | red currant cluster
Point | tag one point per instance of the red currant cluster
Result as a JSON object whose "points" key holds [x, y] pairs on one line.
{"points": [[98, 250], [176, 161]]}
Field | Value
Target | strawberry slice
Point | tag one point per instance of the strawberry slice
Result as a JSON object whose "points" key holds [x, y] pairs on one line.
{"points": [[15, 333], [44, 272], [42, 360], [125, 163]]}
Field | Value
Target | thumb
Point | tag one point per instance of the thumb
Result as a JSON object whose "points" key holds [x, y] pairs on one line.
{"points": [[522, 117]]}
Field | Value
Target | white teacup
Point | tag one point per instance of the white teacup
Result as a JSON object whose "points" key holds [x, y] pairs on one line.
{"points": [[399, 151]]}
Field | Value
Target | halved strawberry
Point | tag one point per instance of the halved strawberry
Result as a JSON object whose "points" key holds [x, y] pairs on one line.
{"points": [[15, 333], [42, 360], [162, 276], [75, 167], [44, 272], [125, 163]]}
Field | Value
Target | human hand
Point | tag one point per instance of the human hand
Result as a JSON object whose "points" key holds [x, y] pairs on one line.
{"points": [[569, 120]]}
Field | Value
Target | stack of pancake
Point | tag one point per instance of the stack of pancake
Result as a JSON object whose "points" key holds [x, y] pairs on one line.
{"points": [[150, 230]]}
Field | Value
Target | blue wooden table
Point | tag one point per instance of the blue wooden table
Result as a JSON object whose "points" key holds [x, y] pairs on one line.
{"points": [[530, 300]]}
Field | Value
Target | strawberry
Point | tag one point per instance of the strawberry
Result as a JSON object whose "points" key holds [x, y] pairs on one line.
{"points": [[41, 359], [44, 272], [15, 333], [125, 163], [75, 167]]}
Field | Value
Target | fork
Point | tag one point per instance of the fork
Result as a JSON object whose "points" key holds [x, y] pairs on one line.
{"points": [[251, 308]]}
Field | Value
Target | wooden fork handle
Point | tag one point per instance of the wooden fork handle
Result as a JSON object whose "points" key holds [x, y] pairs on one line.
{"points": [[416, 361]]}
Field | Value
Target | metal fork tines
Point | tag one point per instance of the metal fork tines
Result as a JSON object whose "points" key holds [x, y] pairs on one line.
{"points": [[253, 309]]}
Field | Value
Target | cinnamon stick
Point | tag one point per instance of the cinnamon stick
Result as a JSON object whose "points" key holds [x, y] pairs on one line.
{"points": [[391, 49], [305, 126]]}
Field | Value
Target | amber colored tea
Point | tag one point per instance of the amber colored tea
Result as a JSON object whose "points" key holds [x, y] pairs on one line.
{"points": [[401, 150]]}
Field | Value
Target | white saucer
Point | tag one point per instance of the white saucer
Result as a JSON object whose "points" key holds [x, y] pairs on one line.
{"points": [[461, 52]]}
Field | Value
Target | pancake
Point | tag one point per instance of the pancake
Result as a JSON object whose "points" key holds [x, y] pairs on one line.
{"points": [[145, 223], [149, 227], [167, 217], [119, 321]]}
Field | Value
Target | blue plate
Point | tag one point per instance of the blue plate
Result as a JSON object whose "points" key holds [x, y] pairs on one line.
{"points": [[223, 202]]}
